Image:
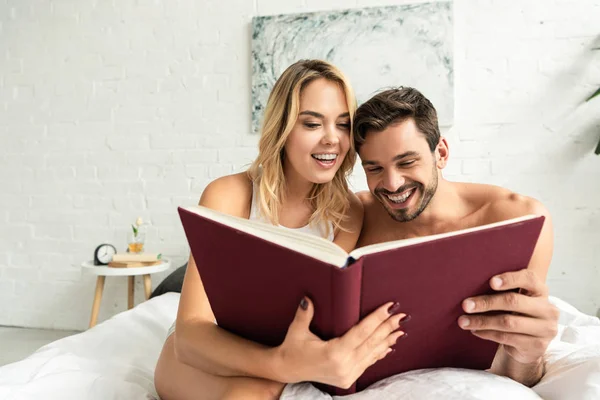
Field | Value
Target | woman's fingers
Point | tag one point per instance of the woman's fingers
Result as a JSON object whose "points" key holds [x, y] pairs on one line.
{"points": [[342, 360], [382, 338], [303, 317], [382, 350], [362, 331]]}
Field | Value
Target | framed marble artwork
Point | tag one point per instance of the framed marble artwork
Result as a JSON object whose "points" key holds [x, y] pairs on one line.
{"points": [[377, 48]]}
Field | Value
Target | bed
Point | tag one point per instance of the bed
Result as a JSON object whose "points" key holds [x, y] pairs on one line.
{"points": [[116, 359]]}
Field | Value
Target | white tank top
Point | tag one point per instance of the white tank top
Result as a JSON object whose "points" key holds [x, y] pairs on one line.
{"points": [[317, 229]]}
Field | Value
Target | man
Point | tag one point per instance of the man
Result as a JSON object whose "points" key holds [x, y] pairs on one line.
{"points": [[398, 140]]}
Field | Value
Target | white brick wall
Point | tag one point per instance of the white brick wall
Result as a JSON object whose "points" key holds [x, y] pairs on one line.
{"points": [[110, 111]]}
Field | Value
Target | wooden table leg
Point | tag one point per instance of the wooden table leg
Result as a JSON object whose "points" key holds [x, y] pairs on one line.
{"points": [[147, 285], [130, 284], [97, 300]]}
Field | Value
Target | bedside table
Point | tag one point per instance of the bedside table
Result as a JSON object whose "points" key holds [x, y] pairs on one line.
{"points": [[102, 271]]}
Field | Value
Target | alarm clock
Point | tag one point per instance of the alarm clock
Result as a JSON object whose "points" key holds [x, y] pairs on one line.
{"points": [[104, 254]]}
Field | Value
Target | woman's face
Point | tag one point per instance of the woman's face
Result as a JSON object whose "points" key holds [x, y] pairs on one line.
{"points": [[320, 139]]}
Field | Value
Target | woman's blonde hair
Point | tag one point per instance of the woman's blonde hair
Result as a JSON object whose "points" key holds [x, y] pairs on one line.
{"points": [[328, 200]]}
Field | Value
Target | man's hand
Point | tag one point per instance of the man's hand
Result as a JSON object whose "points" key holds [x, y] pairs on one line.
{"points": [[527, 321]]}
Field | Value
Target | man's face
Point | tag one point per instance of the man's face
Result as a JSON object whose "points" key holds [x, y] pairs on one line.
{"points": [[401, 170]]}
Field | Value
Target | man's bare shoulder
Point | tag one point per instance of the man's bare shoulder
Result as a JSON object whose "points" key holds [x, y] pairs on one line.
{"points": [[498, 203], [354, 213], [377, 225], [371, 206], [230, 194], [515, 205], [356, 205], [367, 199]]}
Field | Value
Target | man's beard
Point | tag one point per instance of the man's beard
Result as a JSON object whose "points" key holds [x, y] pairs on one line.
{"points": [[404, 215]]}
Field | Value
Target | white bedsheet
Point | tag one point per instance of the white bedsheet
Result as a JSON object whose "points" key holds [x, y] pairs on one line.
{"points": [[116, 359], [113, 360]]}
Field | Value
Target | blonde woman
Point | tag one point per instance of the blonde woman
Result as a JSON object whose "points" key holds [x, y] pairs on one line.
{"points": [[298, 182]]}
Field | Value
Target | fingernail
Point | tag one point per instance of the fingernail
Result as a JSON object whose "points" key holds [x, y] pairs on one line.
{"points": [[469, 305], [405, 319], [464, 322], [392, 351], [304, 304], [394, 308], [402, 337], [402, 316], [496, 283]]}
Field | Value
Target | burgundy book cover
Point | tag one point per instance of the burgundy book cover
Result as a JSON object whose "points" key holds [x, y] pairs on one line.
{"points": [[254, 287], [430, 280]]}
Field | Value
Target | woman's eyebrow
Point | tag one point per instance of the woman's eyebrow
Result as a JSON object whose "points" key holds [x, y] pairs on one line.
{"points": [[313, 113], [319, 115]]}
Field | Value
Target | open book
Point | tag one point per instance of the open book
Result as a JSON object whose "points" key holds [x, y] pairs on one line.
{"points": [[255, 275]]}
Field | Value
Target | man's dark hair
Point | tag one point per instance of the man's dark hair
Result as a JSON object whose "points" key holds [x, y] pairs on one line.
{"points": [[395, 106]]}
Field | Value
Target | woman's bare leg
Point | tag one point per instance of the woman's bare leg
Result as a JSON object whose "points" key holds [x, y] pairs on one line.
{"points": [[177, 381]]}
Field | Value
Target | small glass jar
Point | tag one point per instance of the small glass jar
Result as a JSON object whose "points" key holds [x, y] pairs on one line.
{"points": [[135, 242], [136, 237]]}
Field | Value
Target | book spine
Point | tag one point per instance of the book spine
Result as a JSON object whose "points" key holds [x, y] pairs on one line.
{"points": [[345, 293]]}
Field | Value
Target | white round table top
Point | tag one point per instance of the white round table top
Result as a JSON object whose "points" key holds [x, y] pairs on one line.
{"points": [[105, 270]]}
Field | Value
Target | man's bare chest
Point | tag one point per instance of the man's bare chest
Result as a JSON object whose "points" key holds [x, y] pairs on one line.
{"points": [[379, 231]]}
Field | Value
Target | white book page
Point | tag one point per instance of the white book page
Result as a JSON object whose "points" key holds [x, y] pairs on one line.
{"points": [[376, 248], [312, 246]]}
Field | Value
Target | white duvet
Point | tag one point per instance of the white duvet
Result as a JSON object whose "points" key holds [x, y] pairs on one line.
{"points": [[116, 359]]}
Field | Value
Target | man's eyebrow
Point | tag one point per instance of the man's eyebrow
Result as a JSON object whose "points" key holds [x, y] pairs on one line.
{"points": [[405, 155], [397, 158]]}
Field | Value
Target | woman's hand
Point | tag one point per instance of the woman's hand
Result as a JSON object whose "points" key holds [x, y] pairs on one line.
{"points": [[338, 362]]}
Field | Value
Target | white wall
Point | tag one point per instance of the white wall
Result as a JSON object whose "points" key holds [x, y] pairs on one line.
{"points": [[110, 110]]}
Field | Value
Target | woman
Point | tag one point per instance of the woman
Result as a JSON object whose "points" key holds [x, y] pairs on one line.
{"points": [[298, 182]]}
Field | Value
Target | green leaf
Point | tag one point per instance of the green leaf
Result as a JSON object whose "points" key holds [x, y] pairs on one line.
{"points": [[159, 256], [596, 93], [135, 230], [597, 151]]}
